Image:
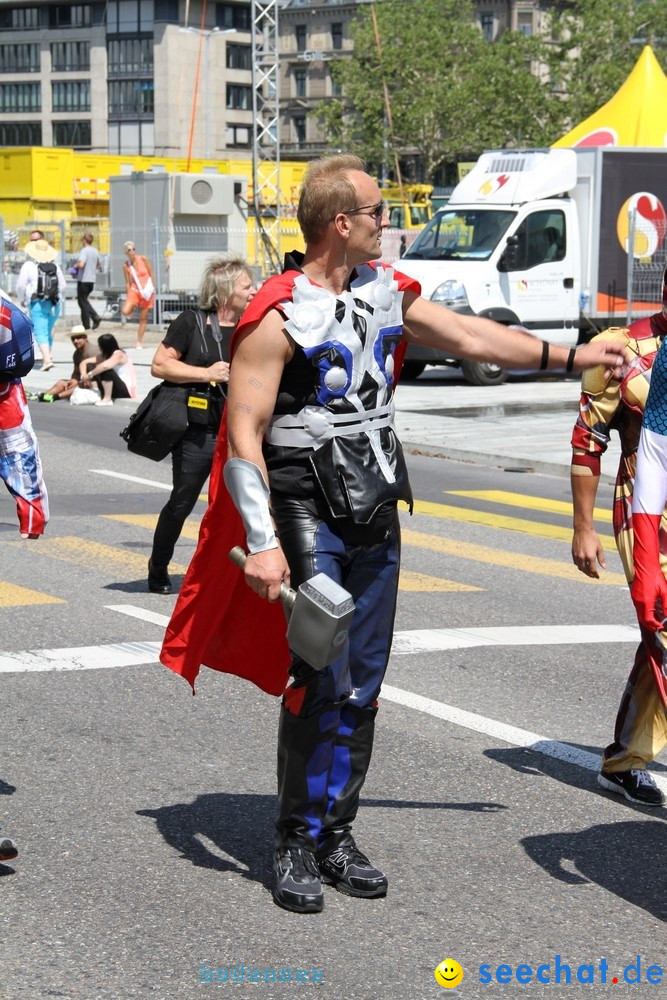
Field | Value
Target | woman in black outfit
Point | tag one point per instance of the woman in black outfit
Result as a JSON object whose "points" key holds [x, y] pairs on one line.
{"points": [[195, 353]]}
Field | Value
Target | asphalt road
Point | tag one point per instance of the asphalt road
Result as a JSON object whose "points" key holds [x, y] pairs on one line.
{"points": [[144, 815]]}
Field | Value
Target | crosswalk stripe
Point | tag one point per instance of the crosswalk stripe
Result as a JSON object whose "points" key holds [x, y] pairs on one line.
{"points": [[504, 522], [421, 583], [527, 502], [95, 555], [511, 560], [14, 596], [190, 529]]}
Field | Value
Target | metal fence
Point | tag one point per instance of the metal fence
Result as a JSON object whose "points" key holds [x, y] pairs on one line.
{"points": [[178, 255]]}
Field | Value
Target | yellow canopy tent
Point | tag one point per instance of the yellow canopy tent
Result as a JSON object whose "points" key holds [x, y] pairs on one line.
{"points": [[635, 116]]}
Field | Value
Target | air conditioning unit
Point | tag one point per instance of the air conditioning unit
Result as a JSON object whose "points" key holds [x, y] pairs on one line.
{"points": [[203, 194]]}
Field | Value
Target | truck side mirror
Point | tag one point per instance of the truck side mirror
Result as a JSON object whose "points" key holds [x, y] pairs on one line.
{"points": [[509, 258]]}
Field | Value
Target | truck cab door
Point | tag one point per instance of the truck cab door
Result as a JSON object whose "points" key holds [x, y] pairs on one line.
{"points": [[538, 279]]}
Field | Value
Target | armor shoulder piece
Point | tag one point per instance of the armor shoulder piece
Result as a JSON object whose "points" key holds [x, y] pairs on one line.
{"points": [[595, 380]]}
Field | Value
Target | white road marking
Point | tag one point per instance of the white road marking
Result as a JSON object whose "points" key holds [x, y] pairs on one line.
{"points": [[427, 640], [115, 654], [500, 731], [433, 639], [126, 654], [142, 613], [132, 479]]}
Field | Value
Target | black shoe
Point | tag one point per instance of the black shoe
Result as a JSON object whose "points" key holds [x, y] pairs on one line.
{"points": [[158, 579], [8, 849], [350, 871], [637, 786], [298, 886], [96, 323]]}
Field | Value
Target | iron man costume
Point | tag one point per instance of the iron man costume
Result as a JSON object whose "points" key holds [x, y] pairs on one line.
{"points": [[641, 730]]}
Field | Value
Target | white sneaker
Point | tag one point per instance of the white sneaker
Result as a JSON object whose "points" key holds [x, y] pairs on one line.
{"points": [[104, 402]]}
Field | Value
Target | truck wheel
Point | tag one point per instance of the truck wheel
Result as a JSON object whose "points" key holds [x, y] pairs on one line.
{"points": [[413, 369], [483, 373]]}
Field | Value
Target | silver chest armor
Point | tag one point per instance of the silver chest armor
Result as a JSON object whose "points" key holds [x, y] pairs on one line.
{"points": [[350, 341]]}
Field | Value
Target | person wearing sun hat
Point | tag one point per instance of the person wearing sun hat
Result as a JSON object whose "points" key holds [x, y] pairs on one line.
{"points": [[39, 289], [83, 349]]}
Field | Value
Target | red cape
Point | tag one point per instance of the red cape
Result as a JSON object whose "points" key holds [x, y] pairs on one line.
{"points": [[218, 621]]}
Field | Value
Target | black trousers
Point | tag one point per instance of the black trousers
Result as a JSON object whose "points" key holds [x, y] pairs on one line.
{"points": [[119, 389], [88, 314], [192, 459]]}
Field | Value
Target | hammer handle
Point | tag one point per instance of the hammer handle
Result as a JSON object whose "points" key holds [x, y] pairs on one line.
{"points": [[287, 595]]}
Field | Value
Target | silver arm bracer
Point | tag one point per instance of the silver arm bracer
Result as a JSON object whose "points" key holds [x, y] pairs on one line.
{"points": [[250, 494]]}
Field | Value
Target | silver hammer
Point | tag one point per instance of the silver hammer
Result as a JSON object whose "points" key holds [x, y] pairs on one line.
{"points": [[319, 615]]}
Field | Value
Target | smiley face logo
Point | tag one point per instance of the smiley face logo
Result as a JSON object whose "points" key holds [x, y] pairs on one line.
{"points": [[448, 974]]}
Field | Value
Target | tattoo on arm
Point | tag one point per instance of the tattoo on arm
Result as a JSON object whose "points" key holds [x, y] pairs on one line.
{"points": [[255, 383], [243, 408]]}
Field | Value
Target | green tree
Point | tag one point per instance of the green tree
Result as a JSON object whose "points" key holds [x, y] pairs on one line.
{"points": [[596, 43], [451, 93]]}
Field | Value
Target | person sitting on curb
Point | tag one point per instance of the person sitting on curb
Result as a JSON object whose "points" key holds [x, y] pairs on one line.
{"points": [[64, 387], [112, 370], [139, 288]]}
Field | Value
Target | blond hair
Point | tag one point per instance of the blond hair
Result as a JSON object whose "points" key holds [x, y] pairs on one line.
{"points": [[218, 281], [326, 191]]}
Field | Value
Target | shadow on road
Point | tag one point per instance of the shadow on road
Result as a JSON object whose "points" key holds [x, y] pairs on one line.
{"points": [[232, 833], [238, 826], [626, 859]]}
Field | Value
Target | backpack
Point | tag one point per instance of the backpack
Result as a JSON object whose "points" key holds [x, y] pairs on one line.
{"points": [[47, 282], [17, 347]]}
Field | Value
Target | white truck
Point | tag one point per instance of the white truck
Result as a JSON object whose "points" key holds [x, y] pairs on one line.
{"points": [[541, 238]]}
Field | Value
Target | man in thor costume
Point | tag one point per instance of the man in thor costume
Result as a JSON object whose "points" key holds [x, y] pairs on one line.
{"points": [[315, 472]]}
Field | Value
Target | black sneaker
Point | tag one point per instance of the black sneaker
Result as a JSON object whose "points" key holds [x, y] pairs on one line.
{"points": [[351, 872], [8, 849], [158, 579], [637, 786], [298, 886], [96, 323]]}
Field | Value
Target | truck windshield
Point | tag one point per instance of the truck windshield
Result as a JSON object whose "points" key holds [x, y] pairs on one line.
{"points": [[472, 234]]}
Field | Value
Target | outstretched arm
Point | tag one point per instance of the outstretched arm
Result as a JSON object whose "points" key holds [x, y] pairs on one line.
{"points": [[478, 339]]}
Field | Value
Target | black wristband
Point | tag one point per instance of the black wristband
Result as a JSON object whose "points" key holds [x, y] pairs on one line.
{"points": [[570, 360], [545, 355]]}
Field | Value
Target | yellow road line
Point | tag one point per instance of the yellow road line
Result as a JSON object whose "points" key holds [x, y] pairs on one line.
{"points": [[421, 583], [95, 555], [13, 596], [511, 560], [527, 502], [190, 528], [504, 522]]}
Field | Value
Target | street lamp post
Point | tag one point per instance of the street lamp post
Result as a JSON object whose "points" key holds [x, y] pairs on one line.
{"points": [[206, 35]]}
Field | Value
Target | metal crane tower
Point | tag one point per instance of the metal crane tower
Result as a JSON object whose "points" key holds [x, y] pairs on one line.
{"points": [[266, 133]]}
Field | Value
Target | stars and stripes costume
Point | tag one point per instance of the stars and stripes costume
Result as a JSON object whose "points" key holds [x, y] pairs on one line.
{"points": [[20, 464]]}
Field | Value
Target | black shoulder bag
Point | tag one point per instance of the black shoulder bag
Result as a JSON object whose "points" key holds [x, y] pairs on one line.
{"points": [[161, 419]]}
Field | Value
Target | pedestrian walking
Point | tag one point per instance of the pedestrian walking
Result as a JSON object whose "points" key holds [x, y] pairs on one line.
{"points": [[195, 353], [87, 267], [40, 287], [139, 288]]}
